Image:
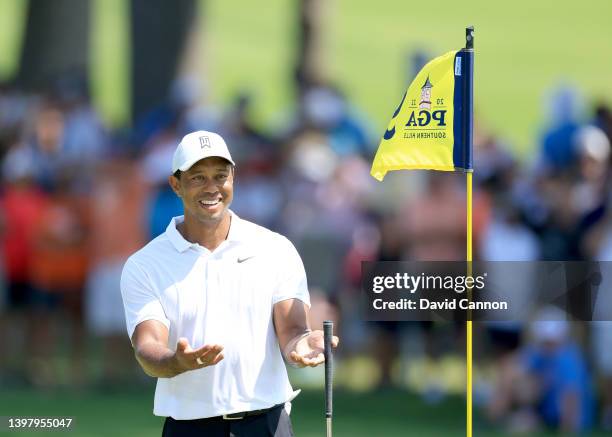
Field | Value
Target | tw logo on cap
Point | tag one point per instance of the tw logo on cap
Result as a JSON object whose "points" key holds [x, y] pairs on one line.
{"points": [[205, 142]]}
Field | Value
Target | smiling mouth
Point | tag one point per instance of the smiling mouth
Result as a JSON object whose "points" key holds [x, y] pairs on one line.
{"points": [[209, 203]]}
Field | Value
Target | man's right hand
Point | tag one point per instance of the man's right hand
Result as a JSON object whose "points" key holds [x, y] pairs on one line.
{"points": [[192, 359], [150, 341]]}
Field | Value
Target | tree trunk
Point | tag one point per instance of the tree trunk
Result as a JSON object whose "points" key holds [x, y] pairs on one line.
{"points": [[56, 42], [308, 54], [159, 32]]}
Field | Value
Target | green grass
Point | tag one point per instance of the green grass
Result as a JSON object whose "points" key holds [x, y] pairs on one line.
{"points": [[524, 48], [109, 67], [129, 413], [12, 26]]}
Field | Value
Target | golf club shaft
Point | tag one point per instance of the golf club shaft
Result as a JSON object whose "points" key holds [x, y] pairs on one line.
{"points": [[328, 331]]}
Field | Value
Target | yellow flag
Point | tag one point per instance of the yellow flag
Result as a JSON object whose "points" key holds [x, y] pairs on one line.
{"points": [[424, 132]]}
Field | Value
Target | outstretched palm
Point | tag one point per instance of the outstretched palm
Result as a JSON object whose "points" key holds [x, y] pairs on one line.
{"points": [[309, 349]]}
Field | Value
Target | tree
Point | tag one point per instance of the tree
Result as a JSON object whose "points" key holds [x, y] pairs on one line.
{"points": [[56, 42], [159, 30]]}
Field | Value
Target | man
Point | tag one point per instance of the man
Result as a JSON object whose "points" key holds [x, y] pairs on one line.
{"points": [[215, 304], [558, 368]]}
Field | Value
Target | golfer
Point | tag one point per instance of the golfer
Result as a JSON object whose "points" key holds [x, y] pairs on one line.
{"points": [[216, 305]]}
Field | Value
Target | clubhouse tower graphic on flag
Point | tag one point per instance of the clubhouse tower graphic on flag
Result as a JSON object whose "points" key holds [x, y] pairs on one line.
{"points": [[425, 102]]}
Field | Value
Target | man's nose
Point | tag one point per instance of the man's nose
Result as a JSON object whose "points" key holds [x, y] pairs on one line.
{"points": [[210, 187]]}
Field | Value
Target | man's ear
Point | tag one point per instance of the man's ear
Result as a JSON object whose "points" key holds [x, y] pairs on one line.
{"points": [[174, 184]]}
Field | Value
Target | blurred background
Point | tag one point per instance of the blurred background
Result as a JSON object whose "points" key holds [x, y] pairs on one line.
{"points": [[95, 95]]}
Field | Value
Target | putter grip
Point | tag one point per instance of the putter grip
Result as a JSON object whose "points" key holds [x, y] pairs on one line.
{"points": [[328, 330]]}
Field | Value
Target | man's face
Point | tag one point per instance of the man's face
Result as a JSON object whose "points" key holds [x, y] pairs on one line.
{"points": [[206, 189]]}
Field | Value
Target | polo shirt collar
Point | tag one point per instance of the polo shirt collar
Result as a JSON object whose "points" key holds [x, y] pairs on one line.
{"points": [[180, 244], [236, 230]]}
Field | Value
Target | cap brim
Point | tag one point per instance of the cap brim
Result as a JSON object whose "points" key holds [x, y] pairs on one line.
{"points": [[186, 166]]}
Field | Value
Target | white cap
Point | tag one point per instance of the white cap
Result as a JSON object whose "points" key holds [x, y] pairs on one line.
{"points": [[196, 146], [550, 330], [550, 325], [593, 143]]}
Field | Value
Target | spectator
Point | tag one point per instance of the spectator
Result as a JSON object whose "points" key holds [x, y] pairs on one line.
{"points": [[557, 146], [22, 205], [118, 197], [564, 398], [58, 268]]}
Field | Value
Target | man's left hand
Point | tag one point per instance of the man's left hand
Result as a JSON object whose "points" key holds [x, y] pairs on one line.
{"points": [[308, 350]]}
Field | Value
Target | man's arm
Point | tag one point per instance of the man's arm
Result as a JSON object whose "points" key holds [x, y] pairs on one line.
{"points": [[150, 342], [299, 345]]}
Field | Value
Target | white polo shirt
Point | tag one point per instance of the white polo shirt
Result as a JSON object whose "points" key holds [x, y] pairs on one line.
{"points": [[225, 297]]}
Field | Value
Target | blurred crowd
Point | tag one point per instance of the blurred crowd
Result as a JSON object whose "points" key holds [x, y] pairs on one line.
{"points": [[76, 199]]}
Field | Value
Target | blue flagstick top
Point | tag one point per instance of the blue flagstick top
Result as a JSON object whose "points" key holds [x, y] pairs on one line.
{"points": [[464, 104], [469, 95]]}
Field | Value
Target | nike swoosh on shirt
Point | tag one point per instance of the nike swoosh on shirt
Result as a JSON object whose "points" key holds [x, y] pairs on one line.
{"points": [[243, 259]]}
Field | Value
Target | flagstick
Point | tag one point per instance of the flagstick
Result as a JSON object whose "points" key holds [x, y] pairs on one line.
{"points": [[467, 145], [389, 157], [469, 322]]}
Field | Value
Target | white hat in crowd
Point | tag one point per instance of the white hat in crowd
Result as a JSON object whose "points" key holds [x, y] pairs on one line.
{"points": [[550, 325]]}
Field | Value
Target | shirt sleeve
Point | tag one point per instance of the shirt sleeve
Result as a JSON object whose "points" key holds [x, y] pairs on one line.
{"points": [[140, 300], [292, 283]]}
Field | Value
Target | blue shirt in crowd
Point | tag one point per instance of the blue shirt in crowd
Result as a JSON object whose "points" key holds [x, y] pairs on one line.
{"points": [[558, 372]]}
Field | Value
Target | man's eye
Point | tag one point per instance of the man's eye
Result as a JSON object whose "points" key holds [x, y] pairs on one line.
{"points": [[222, 177], [197, 178]]}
